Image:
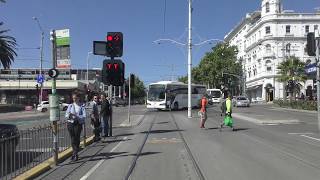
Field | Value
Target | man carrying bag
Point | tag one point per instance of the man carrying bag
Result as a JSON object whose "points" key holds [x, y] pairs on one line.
{"points": [[94, 116]]}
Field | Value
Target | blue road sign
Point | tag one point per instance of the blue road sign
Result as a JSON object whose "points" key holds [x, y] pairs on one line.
{"points": [[311, 68], [40, 78]]}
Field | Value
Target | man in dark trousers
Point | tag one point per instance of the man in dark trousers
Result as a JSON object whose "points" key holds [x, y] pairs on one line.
{"points": [[105, 114], [95, 121]]}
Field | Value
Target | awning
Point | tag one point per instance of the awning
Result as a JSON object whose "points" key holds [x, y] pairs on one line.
{"points": [[254, 87]]}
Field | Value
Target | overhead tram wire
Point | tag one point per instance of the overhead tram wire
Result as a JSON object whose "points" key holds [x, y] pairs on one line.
{"points": [[164, 16]]}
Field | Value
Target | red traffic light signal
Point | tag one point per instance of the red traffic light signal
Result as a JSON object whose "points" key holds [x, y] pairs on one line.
{"points": [[109, 38], [115, 44]]}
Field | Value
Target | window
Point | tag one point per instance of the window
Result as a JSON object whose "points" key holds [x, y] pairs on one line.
{"points": [[307, 29], [268, 64], [315, 27], [308, 62], [268, 31], [267, 7], [288, 29], [268, 48]]}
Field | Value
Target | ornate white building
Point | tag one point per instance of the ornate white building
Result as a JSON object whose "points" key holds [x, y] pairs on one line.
{"points": [[264, 39]]}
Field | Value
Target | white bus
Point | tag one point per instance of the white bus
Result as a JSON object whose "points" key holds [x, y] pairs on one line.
{"points": [[173, 95], [215, 95]]}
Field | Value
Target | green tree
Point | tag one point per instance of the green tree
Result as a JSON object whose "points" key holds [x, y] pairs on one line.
{"points": [[222, 59], [138, 91], [7, 48], [183, 79], [292, 69]]}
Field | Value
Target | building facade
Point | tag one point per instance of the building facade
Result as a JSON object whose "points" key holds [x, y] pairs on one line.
{"points": [[265, 38], [19, 86]]}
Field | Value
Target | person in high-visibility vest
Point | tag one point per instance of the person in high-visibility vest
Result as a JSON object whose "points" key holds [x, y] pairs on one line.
{"points": [[203, 111]]}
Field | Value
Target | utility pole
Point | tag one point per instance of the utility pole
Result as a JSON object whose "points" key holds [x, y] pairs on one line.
{"points": [[189, 59], [189, 45], [318, 75]]}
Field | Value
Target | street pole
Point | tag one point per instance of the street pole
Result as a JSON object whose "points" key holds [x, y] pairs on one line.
{"points": [[87, 77], [129, 105], [41, 57], [189, 58], [318, 76], [119, 91], [54, 105]]}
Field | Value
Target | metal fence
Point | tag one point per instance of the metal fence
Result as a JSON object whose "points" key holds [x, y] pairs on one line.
{"points": [[32, 147]]}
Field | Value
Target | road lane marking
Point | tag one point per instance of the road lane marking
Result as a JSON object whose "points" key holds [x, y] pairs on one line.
{"points": [[311, 137], [300, 133], [94, 168]]}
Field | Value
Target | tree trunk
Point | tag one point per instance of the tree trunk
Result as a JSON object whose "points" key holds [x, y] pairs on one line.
{"points": [[284, 92]]}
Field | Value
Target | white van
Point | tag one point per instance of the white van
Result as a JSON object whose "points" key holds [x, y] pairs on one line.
{"points": [[215, 95]]}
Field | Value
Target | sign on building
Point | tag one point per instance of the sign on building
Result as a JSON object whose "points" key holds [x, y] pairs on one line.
{"points": [[63, 49]]}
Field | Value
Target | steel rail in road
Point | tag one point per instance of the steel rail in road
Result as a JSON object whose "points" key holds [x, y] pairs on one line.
{"points": [[194, 162], [135, 159]]}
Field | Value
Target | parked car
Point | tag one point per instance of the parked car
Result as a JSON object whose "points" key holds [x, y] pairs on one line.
{"points": [[45, 106], [9, 139], [241, 101], [119, 102]]}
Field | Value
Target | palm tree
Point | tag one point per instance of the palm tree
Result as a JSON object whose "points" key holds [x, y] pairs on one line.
{"points": [[7, 48], [292, 69]]}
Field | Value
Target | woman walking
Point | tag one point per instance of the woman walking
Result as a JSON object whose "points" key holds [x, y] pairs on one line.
{"points": [[203, 111], [75, 114]]}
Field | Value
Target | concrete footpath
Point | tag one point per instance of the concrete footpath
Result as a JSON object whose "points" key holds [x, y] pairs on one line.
{"points": [[120, 122]]}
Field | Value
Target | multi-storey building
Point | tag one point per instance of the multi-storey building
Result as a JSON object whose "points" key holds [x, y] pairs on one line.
{"points": [[19, 86], [267, 37]]}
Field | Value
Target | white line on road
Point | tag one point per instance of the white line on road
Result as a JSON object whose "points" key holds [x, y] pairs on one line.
{"points": [[300, 133], [310, 137], [101, 161]]}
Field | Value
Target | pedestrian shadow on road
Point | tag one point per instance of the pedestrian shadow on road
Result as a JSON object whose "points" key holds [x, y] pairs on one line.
{"points": [[161, 131], [114, 141], [111, 155], [240, 129], [165, 122], [126, 134]]}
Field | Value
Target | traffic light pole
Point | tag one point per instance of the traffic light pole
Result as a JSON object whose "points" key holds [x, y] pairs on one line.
{"points": [[54, 104], [318, 78], [129, 105]]}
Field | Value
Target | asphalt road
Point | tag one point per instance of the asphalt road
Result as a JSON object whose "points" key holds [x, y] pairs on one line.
{"points": [[167, 145]]}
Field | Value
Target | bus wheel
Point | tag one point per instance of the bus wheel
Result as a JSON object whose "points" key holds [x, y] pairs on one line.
{"points": [[175, 106]]}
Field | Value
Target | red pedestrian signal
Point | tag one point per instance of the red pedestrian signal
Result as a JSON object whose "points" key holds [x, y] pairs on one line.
{"points": [[113, 72]]}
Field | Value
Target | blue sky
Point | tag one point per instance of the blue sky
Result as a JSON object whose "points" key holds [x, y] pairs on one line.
{"points": [[141, 21]]}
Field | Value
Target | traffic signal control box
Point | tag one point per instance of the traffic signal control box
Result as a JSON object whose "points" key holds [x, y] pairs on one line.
{"points": [[113, 72]]}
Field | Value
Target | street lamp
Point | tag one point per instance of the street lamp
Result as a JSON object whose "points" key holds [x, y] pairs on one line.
{"points": [[41, 55], [87, 78]]}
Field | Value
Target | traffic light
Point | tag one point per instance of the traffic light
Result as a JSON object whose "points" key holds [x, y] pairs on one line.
{"points": [[114, 44], [132, 79], [311, 44], [113, 72]]}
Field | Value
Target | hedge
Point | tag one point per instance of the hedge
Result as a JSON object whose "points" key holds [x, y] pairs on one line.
{"points": [[297, 104]]}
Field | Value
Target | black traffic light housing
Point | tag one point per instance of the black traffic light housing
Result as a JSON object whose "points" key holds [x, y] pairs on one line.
{"points": [[132, 80], [311, 44], [115, 44], [113, 72]]}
